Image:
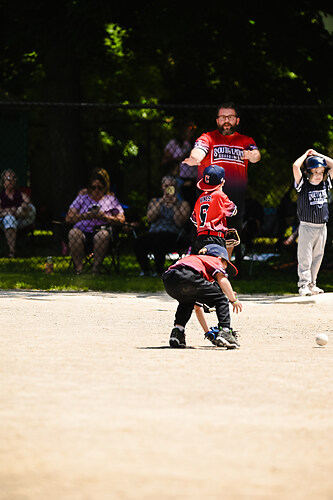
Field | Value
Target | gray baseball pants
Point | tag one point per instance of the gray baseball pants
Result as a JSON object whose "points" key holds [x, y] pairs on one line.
{"points": [[310, 251]]}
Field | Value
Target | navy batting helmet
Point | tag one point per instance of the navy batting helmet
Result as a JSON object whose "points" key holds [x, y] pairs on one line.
{"points": [[218, 251], [314, 162]]}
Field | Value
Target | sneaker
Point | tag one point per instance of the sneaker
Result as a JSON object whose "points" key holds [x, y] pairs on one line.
{"points": [[304, 291], [225, 338], [177, 338], [314, 289], [235, 335], [212, 334]]}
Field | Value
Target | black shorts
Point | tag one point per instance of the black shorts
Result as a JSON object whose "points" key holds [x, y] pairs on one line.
{"points": [[207, 239]]}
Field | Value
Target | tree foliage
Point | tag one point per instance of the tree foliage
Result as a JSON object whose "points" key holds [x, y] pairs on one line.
{"points": [[92, 51], [85, 51]]}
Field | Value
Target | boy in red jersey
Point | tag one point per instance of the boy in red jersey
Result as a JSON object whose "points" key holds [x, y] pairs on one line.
{"points": [[191, 280], [212, 209]]}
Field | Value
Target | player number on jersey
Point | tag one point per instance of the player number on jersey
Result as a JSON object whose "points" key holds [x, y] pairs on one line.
{"points": [[203, 214]]}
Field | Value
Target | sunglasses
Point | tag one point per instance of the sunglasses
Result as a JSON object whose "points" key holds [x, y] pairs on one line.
{"points": [[97, 188], [10, 178]]}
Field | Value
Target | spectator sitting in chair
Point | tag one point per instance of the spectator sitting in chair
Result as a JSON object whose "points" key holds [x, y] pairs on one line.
{"points": [[166, 216], [16, 209], [92, 213]]}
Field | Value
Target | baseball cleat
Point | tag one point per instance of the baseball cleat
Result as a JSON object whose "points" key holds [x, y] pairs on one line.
{"points": [[304, 291], [315, 290], [211, 334], [235, 336], [177, 338], [225, 338]]}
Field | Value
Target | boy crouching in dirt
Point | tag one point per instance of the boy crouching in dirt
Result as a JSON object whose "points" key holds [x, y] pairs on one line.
{"points": [[191, 280]]}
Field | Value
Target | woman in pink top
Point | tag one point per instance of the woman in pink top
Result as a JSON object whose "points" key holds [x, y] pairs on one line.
{"points": [[93, 213]]}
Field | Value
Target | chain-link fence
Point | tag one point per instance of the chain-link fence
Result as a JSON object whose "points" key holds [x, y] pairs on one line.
{"points": [[53, 150]]}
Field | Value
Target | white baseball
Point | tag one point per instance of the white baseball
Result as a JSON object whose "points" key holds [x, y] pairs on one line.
{"points": [[322, 339]]}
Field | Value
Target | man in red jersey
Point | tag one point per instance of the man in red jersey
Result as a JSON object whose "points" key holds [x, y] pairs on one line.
{"points": [[231, 150]]}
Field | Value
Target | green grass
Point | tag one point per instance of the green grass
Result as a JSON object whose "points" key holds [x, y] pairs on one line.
{"points": [[276, 276], [54, 282]]}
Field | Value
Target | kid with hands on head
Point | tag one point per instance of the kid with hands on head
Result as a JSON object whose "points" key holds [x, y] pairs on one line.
{"points": [[191, 281], [312, 174]]}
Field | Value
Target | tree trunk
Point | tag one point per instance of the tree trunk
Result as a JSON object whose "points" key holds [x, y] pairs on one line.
{"points": [[62, 77]]}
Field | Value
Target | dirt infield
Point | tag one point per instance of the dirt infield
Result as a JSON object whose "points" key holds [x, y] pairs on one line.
{"points": [[95, 406]]}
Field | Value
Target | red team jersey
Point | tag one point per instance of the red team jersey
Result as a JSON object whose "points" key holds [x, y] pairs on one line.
{"points": [[227, 152], [210, 211], [206, 265]]}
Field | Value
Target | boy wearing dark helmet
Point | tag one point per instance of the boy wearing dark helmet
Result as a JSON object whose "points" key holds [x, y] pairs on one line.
{"points": [[312, 173], [191, 280]]}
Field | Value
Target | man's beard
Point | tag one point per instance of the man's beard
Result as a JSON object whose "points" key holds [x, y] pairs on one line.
{"points": [[231, 130]]}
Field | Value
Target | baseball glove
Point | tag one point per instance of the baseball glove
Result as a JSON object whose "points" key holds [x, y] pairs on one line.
{"points": [[232, 238]]}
